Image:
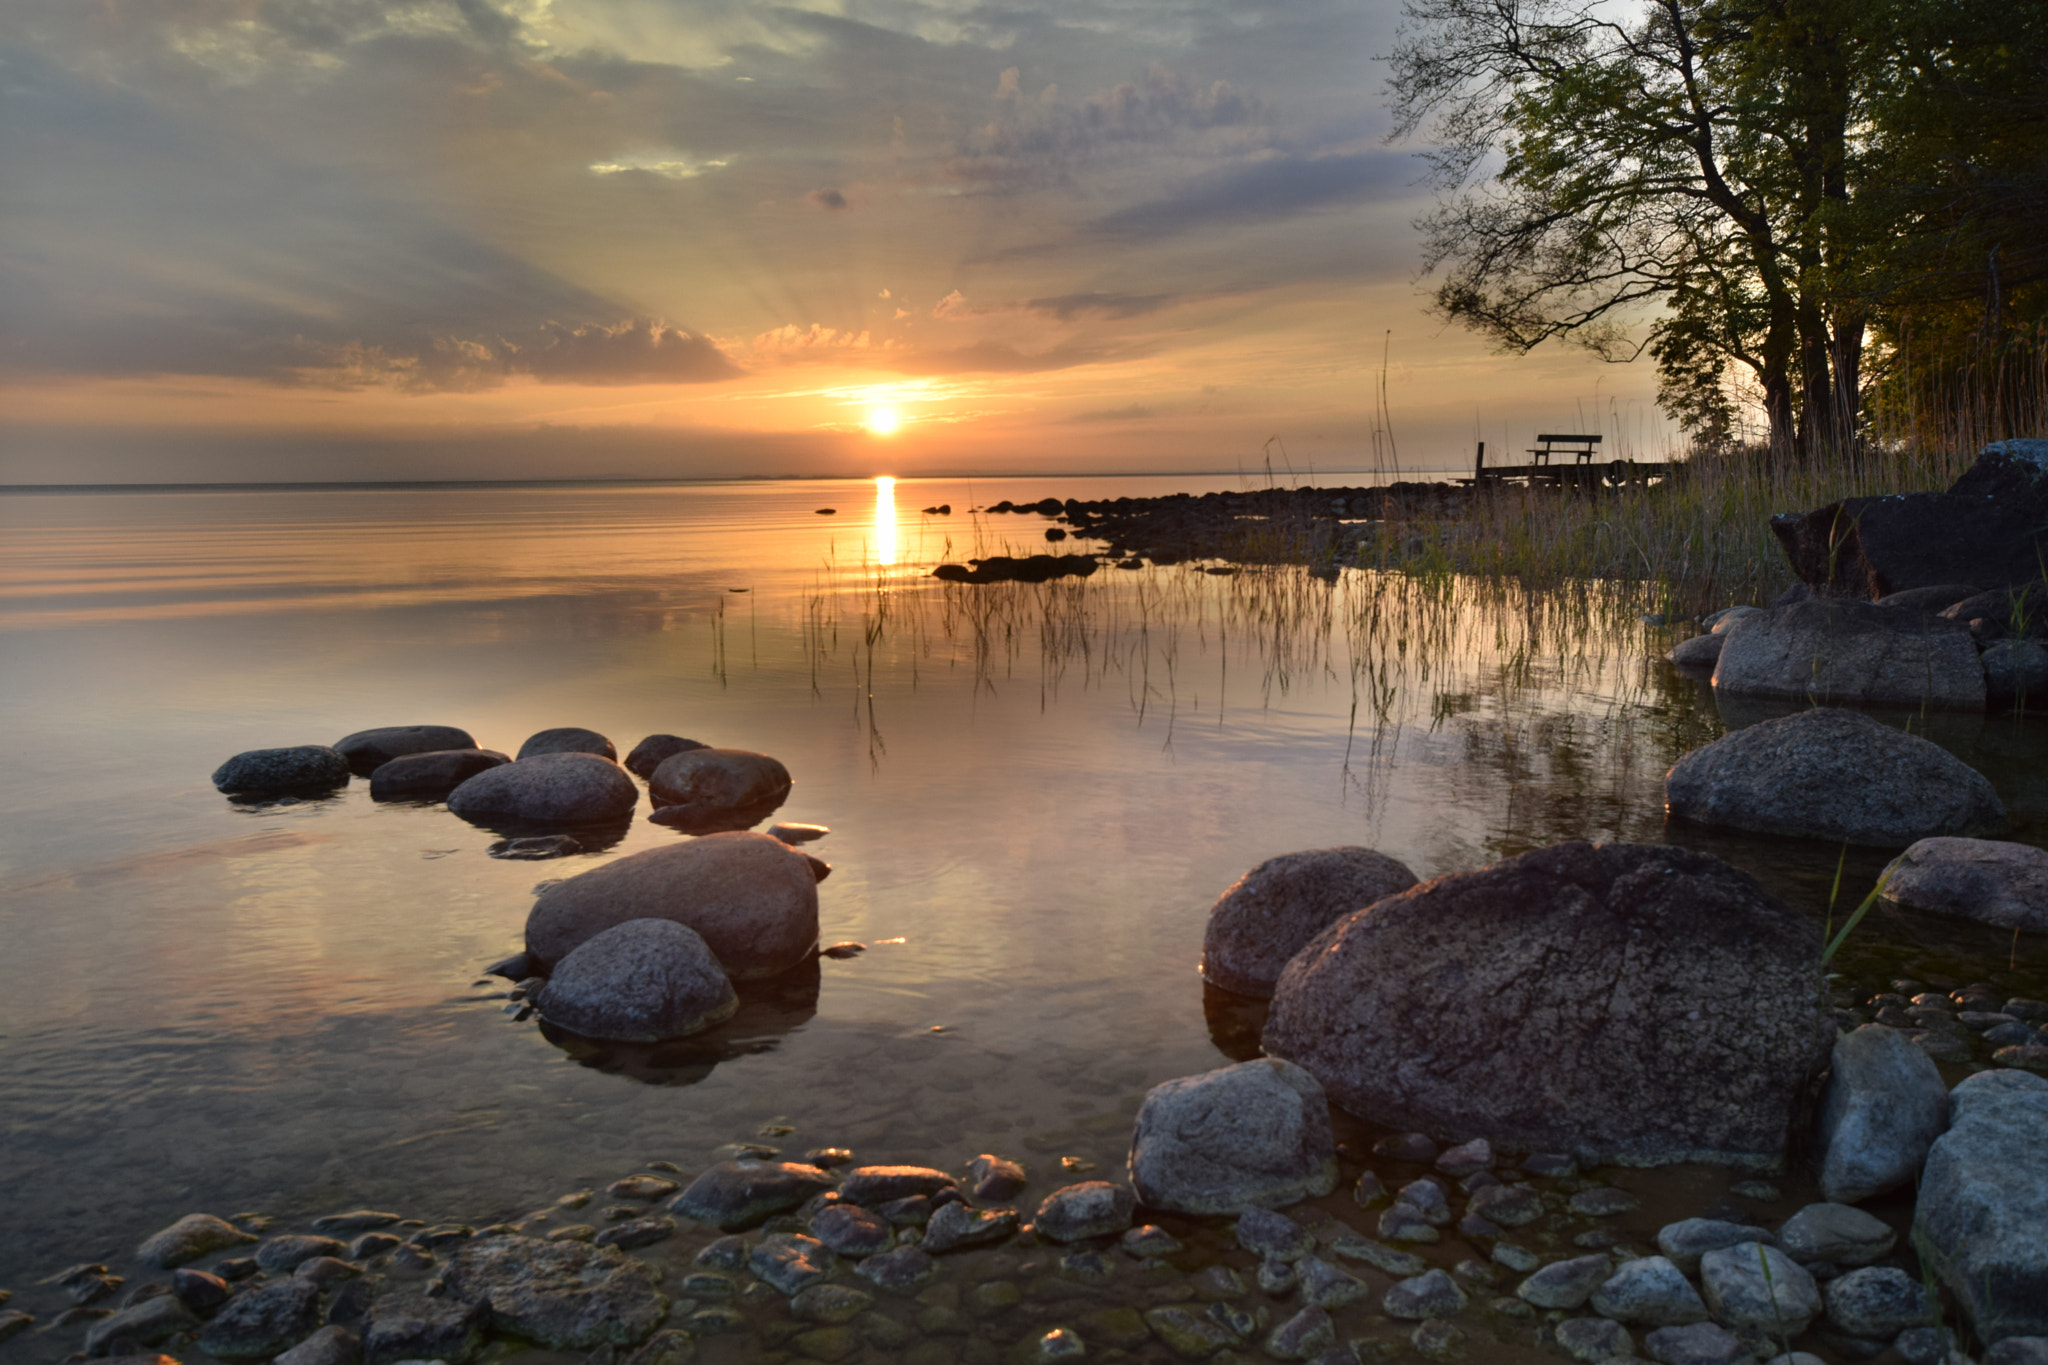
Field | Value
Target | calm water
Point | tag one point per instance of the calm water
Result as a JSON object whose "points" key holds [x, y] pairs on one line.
{"points": [[1035, 794]]}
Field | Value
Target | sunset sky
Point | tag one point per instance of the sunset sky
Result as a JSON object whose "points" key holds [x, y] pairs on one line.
{"points": [[333, 239]]}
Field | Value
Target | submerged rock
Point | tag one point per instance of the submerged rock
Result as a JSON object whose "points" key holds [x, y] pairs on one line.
{"points": [[563, 788], [1093, 1208], [739, 1194], [560, 1294], [1254, 1135], [1982, 1214], [1701, 651], [271, 772], [368, 750], [568, 739], [430, 774], [750, 897], [640, 981], [1625, 1003], [1836, 775], [1884, 1106], [1840, 652], [1988, 880], [1271, 911], [193, 1236]]}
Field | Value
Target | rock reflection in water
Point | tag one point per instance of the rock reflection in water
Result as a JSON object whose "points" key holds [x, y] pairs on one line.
{"points": [[594, 838], [1235, 1022], [703, 818], [769, 1011]]}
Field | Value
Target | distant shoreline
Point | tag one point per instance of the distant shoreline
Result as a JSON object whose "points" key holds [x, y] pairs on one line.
{"points": [[395, 485]]}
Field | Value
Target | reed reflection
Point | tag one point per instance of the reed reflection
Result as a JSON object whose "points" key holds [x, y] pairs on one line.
{"points": [[885, 520]]}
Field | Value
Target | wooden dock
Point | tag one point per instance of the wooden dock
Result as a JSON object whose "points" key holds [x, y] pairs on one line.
{"points": [[1584, 471]]}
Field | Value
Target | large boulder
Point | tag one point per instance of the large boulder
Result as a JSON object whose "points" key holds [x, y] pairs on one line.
{"points": [[1271, 911], [430, 775], [1835, 775], [369, 750], [753, 899], [302, 768], [1254, 1135], [548, 789], [1982, 1217], [708, 790], [640, 981], [1988, 880], [1884, 1106], [1626, 1003], [568, 739], [1990, 529], [567, 1295], [651, 752], [1852, 652]]}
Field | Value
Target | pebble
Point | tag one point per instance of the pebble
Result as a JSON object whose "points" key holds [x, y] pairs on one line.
{"points": [[1306, 1334], [1093, 1208], [1427, 1198], [1325, 1286], [1877, 1302], [1604, 1202], [642, 1187], [871, 1185], [1689, 1239], [741, 1193], [1835, 1232], [1650, 1291], [198, 1290], [14, 1322], [1218, 1282], [242, 1267], [1149, 1240], [898, 1271], [709, 1284], [639, 1232], [1379, 1255], [1754, 1286], [1510, 1206], [1478, 1272], [1432, 1294], [909, 1211], [1276, 1278], [994, 1179], [724, 1253], [1188, 1335], [789, 1261], [831, 1304], [1437, 1338], [1554, 1165], [1060, 1344], [324, 1272], [709, 1322], [1519, 1259], [794, 832], [355, 1220], [193, 1236], [954, 1227], [1467, 1158], [1086, 1267], [1368, 1191], [1593, 1339], [851, 1230], [1701, 1343], [1761, 1191], [1565, 1284], [1273, 1236], [1405, 1223]]}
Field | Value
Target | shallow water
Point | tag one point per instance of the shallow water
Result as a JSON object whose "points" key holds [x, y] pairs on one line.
{"points": [[1035, 793]]}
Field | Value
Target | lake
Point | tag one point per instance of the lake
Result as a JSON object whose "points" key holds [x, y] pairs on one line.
{"points": [[1035, 794]]}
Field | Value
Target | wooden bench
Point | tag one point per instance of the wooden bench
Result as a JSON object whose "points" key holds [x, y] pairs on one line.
{"points": [[1580, 447]]}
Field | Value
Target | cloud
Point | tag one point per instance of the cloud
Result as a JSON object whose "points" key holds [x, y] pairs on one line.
{"points": [[667, 165], [831, 201], [1266, 190], [1134, 413], [1067, 307]]}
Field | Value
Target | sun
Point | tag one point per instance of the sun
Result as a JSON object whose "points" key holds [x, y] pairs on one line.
{"points": [[883, 421]]}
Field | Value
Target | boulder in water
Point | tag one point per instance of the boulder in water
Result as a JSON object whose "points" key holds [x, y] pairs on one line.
{"points": [[1835, 775], [1852, 653], [1629, 1004], [548, 789], [640, 981], [1982, 1216], [698, 789], [274, 772], [1884, 1106], [1988, 880], [369, 750], [1254, 1135], [561, 1294], [751, 898], [430, 775], [1271, 911], [652, 751], [568, 739]]}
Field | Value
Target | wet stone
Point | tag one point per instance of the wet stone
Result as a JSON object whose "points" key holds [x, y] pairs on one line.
{"points": [[642, 1187], [1188, 1335], [827, 1344], [1476, 1272], [790, 1261], [826, 1158], [370, 1244], [708, 1284], [442, 1235], [1552, 1165], [1701, 1343], [146, 1324], [1510, 1307], [1433, 1294], [324, 1272], [573, 1232], [993, 1179], [1426, 1197], [1379, 1256], [1086, 1267], [332, 1345], [1406, 1147], [1325, 1286], [740, 1194], [1650, 1291], [955, 1227], [872, 1185], [1476, 1228], [1273, 1236], [725, 1253], [1276, 1278], [994, 1298], [1368, 1190], [1603, 1202], [1149, 1240], [354, 1220], [881, 1330], [1093, 1208], [852, 1231], [1218, 1282], [1750, 1285], [198, 1290], [1684, 1242], [264, 1320], [1565, 1284], [639, 1232], [911, 1211], [1835, 1232], [671, 1347], [898, 1271], [1121, 1328], [832, 1304], [1437, 1339], [1467, 1158], [193, 1236], [1405, 1223], [1593, 1339], [1239, 1322], [1877, 1302], [1306, 1334]]}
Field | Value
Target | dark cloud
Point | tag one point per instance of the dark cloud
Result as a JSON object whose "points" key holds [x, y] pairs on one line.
{"points": [[1267, 190], [831, 201], [1136, 412], [998, 357], [1067, 307]]}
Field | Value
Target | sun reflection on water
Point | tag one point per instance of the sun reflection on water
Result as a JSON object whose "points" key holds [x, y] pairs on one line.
{"points": [[885, 520]]}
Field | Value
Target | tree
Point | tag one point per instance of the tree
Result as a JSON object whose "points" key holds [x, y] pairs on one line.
{"points": [[1693, 166]]}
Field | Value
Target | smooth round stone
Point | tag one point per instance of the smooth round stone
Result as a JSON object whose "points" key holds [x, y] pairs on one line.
{"points": [[568, 739], [1189, 1335], [564, 788], [1877, 1302], [1691, 1238], [796, 832], [790, 1262], [430, 775], [710, 782], [1276, 1278], [366, 751], [1426, 1197], [1273, 1236], [869, 1186], [954, 1227], [1060, 1344], [283, 1253], [637, 1232], [831, 1304], [652, 751], [355, 1220], [1519, 1259], [1753, 1286], [198, 1290], [898, 1271], [641, 981], [642, 1187], [1509, 1206], [1325, 1286], [752, 899], [1149, 1241], [1835, 1232], [269, 772], [1254, 1134], [1593, 1339], [1308, 1333], [993, 1179], [193, 1236], [1565, 1284], [1271, 912], [1432, 1294], [852, 1231], [739, 1194], [1092, 1208], [1650, 1291], [1467, 1158]]}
